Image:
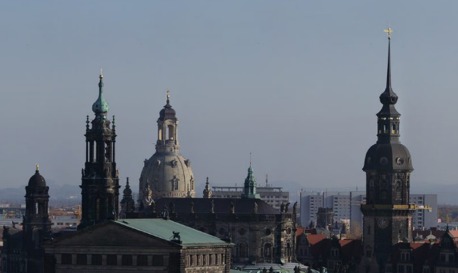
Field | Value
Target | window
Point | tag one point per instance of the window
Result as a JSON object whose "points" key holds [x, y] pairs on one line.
{"points": [[142, 260], [126, 260], [96, 259], [158, 260], [112, 259], [66, 258], [81, 259]]}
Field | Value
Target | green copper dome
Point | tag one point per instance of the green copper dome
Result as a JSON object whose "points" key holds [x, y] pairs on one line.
{"points": [[100, 105]]}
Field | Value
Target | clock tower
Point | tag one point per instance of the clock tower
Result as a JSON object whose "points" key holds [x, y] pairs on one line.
{"points": [[387, 212]]}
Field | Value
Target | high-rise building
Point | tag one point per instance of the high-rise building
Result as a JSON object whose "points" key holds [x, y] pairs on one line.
{"points": [[167, 173], [309, 204], [100, 179], [425, 216], [387, 212]]}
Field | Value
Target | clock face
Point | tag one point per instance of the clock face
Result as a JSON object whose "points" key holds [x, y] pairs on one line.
{"points": [[399, 161], [383, 222]]}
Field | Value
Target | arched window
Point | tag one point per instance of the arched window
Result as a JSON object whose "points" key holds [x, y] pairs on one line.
{"points": [[242, 250], [267, 250]]}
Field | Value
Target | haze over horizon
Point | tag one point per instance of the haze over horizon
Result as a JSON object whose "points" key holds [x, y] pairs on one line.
{"points": [[296, 83]]}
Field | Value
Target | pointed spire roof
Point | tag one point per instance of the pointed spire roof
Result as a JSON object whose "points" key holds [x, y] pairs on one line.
{"points": [[100, 106], [127, 191], [249, 188], [207, 191], [388, 96]]}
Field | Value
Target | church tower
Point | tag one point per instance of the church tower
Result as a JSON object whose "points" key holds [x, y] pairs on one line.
{"points": [[166, 173], [387, 212], [100, 182], [37, 226], [127, 202], [249, 187]]}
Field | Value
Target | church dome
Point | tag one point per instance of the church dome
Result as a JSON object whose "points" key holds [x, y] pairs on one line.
{"points": [[167, 112], [169, 175], [37, 180], [388, 156]]}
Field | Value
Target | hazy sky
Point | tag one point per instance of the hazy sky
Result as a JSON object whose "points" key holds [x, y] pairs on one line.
{"points": [[296, 83]]}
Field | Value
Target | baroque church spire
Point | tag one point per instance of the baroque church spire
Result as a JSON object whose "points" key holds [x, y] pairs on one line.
{"points": [[387, 212], [100, 179], [207, 191], [127, 202], [249, 187]]}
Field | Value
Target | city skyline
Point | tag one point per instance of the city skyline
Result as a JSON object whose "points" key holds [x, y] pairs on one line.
{"points": [[294, 83]]}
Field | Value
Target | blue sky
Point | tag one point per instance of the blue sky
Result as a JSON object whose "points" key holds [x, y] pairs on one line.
{"points": [[296, 83]]}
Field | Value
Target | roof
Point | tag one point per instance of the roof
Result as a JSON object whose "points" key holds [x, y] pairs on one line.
{"points": [[315, 238], [183, 206], [164, 229]]}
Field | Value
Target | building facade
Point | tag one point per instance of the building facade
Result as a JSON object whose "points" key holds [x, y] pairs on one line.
{"points": [[260, 233], [138, 245]]}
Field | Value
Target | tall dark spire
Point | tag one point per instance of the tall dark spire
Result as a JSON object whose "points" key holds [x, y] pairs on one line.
{"points": [[388, 96], [388, 117], [387, 212]]}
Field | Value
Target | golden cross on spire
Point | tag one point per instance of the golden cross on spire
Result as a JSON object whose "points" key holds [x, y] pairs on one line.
{"points": [[388, 32], [101, 73], [168, 94]]}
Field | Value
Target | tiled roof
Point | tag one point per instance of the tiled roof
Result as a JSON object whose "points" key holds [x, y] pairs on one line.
{"points": [[164, 229], [315, 238]]}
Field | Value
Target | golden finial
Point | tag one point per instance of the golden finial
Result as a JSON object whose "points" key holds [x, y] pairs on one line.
{"points": [[388, 32], [101, 73], [168, 94], [37, 167]]}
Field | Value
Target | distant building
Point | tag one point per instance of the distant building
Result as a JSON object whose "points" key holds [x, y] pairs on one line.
{"points": [[138, 245], [339, 202], [426, 216], [274, 196], [309, 204]]}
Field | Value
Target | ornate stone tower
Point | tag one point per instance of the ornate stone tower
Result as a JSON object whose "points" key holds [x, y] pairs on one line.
{"points": [[166, 173], [100, 182], [37, 226], [387, 212], [127, 202], [249, 187], [207, 193]]}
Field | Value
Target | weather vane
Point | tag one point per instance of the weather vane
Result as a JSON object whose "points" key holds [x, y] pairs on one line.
{"points": [[388, 32]]}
